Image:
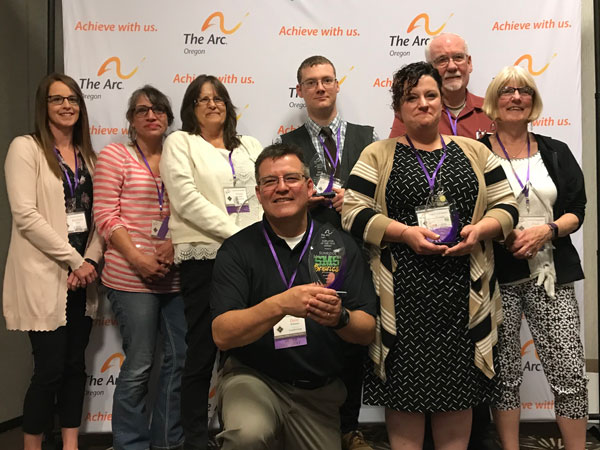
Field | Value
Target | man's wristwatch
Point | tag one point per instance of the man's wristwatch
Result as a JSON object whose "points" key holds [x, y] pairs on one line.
{"points": [[344, 319]]}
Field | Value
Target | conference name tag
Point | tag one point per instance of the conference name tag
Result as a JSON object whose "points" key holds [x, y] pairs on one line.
{"points": [[76, 222], [236, 200], [160, 229], [324, 181], [530, 221], [434, 218], [290, 332]]}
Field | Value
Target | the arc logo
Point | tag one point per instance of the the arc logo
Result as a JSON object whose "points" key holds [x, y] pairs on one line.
{"points": [[527, 347], [112, 361], [527, 57], [220, 18], [115, 62], [424, 18]]}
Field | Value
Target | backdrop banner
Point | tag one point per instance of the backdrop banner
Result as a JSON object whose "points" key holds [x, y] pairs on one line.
{"points": [[255, 47]]}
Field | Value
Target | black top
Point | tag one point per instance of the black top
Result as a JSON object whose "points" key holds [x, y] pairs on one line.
{"points": [[245, 274], [357, 137], [568, 179], [82, 201]]}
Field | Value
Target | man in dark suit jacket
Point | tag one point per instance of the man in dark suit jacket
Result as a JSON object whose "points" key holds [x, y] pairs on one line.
{"points": [[338, 144]]}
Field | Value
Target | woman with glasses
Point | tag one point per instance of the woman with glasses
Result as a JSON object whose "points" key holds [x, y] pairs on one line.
{"points": [[208, 170], [538, 264], [429, 205], [132, 213], [49, 282]]}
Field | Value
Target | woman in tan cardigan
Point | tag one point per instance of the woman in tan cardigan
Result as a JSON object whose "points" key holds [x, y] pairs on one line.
{"points": [[49, 282], [428, 205]]}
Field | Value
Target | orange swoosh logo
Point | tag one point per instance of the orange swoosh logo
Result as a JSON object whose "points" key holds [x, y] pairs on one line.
{"points": [[117, 63], [240, 114], [221, 17], [425, 18], [108, 363], [524, 350], [529, 59], [344, 77]]}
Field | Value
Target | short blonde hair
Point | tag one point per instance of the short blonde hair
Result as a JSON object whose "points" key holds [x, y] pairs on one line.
{"points": [[506, 75]]}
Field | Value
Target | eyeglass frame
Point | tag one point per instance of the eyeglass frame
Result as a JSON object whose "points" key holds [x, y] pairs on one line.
{"points": [[528, 91], [326, 82], [442, 64], [276, 178], [205, 101], [143, 110], [73, 100]]}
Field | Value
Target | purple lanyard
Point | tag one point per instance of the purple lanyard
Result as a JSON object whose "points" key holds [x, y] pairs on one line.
{"points": [[160, 191], [337, 157], [76, 173], [524, 188], [232, 168], [430, 178], [283, 278], [335, 162], [453, 123]]}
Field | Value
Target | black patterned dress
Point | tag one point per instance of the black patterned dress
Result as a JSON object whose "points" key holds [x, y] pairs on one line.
{"points": [[431, 366]]}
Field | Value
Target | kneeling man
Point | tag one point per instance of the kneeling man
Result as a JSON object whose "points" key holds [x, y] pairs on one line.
{"points": [[282, 334]]}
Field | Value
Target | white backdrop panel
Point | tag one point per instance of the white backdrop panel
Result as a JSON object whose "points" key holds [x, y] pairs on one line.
{"points": [[113, 47]]}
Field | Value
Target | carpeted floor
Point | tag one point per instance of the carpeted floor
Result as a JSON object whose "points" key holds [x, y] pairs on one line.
{"points": [[544, 436]]}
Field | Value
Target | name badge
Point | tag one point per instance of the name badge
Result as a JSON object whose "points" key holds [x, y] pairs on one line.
{"points": [[290, 332], [76, 222], [236, 200], [160, 229], [434, 219], [324, 183], [530, 221]]}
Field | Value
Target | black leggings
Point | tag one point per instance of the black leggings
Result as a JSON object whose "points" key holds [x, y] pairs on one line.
{"points": [[201, 351], [58, 381]]}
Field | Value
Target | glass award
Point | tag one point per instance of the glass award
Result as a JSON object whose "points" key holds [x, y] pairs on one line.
{"points": [[440, 216], [327, 258]]}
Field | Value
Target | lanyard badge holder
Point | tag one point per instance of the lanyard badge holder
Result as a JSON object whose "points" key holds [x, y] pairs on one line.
{"points": [[438, 214], [236, 198], [76, 221], [290, 331], [323, 172], [158, 228]]}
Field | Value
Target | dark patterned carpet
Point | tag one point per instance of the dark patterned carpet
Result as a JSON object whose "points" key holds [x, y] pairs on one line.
{"points": [[538, 436]]}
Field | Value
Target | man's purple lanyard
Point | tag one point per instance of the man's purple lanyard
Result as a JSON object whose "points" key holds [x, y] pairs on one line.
{"points": [[453, 122], [232, 168], [430, 178], [333, 162], [524, 187], [289, 284], [76, 173], [160, 191]]}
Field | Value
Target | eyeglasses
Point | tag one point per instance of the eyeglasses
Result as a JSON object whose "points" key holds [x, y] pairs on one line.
{"points": [[142, 110], [59, 99], [290, 179], [204, 101], [444, 60], [326, 82], [509, 91]]}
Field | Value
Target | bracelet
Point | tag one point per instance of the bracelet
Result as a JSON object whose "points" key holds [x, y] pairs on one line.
{"points": [[554, 228], [92, 262], [402, 232]]}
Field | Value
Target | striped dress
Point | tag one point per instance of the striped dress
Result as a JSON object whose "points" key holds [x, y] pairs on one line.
{"points": [[125, 196]]}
